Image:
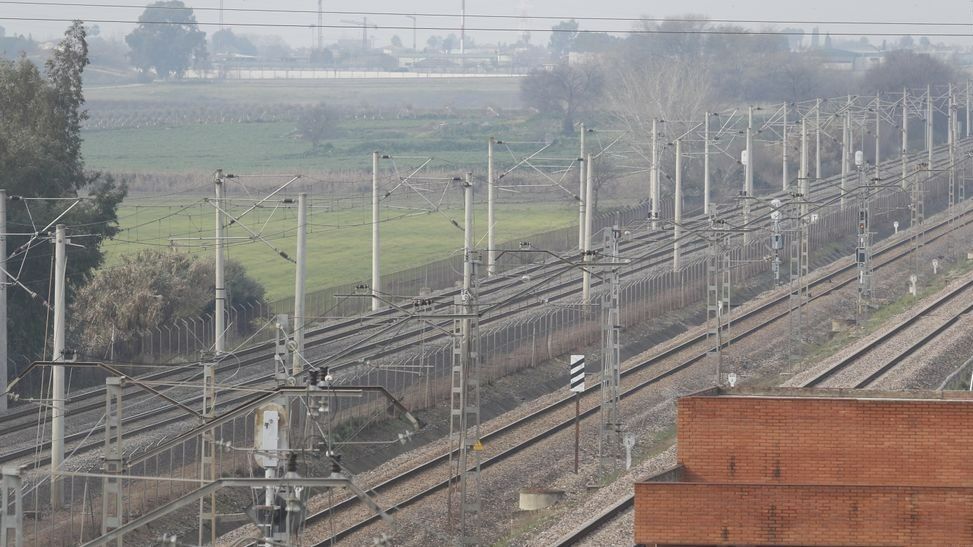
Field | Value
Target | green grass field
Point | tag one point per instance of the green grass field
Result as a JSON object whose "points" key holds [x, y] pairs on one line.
{"points": [[455, 136], [339, 243], [275, 147]]}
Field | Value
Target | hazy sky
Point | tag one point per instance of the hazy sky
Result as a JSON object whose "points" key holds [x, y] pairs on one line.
{"points": [[905, 12]]}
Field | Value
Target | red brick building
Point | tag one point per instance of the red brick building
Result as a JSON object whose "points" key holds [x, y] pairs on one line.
{"points": [[815, 467]]}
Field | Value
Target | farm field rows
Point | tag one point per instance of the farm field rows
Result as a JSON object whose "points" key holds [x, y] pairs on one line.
{"points": [[275, 147]]}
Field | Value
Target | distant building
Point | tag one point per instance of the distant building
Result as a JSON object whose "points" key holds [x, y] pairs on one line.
{"points": [[486, 60], [813, 468], [851, 61]]}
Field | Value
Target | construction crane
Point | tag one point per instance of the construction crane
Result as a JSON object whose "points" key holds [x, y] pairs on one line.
{"points": [[363, 23]]}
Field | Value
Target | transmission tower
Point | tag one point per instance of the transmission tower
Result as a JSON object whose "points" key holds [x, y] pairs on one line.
{"points": [[776, 240], [718, 282], [798, 270], [800, 250], [917, 213], [610, 447]]}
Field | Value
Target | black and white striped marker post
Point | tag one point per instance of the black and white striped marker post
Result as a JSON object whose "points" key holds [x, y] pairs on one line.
{"points": [[576, 385], [576, 382]]}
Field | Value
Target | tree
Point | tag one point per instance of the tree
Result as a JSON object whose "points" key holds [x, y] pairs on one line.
{"points": [[681, 37], [160, 287], [40, 157], [322, 57], [396, 41], [227, 43], [563, 91], [167, 40], [563, 36], [905, 68], [317, 123], [450, 43], [434, 43]]}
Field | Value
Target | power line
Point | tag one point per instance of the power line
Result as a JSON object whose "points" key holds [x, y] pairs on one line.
{"points": [[498, 16], [499, 29]]}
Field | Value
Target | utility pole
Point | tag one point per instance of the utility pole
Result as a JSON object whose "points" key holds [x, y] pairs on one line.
{"points": [[805, 240], [677, 209], [586, 253], [878, 136], [464, 425], [376, 251], [299, 277], [320, 24], [817, 140], [468, 230], [462, 34], [220, 312], [951, 146], [864, 252], [207, 460], [57, 392], [845, 146], [3, 301], [654, 176], [905, 138], [582, 158], [491, 219], [747, 176], [783, 155], [611, 420], [929, 130], [803, 174], [706, 189], [413, 18], [917, 213]]}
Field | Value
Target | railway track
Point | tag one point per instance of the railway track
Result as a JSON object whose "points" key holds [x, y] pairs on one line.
{"points": [[340, 330], [559, 416], [595, 523], [91, 401], [886, 342], [625, 504]]}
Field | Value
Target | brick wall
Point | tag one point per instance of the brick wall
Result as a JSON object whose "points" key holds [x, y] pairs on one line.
{"points": [[826, 441], [791, 470], [713, 514]]}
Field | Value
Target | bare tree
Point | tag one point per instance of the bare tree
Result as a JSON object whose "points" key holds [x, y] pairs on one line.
{"points": [[563, 91], [905, 68], [317, 124]]}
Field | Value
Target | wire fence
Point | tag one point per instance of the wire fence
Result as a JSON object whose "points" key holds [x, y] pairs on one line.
{"points": [[186, 338]]}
